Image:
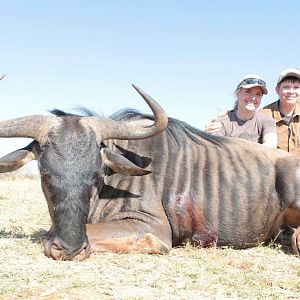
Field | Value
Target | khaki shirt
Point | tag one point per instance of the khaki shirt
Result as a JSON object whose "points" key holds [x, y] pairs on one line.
{"points": [[288, 134]]}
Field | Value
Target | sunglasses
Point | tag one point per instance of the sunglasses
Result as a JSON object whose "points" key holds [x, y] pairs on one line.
{"points": [[252, 81]]}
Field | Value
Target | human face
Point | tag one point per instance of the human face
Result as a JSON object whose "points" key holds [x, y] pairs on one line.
{"points": [[249, 99], [288, 92]]}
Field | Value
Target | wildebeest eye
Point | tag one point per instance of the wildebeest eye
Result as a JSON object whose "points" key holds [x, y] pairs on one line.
{"points": [[97, 177], [46, 179]]}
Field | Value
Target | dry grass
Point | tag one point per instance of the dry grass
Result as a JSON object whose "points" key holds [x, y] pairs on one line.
{"points": [[186, 273]]}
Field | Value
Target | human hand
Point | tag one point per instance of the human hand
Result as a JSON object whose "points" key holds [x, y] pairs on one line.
{"points": [[213, 126]]}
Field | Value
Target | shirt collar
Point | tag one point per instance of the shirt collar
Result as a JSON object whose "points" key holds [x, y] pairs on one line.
{"points": [[297, 110], [277, 114]]}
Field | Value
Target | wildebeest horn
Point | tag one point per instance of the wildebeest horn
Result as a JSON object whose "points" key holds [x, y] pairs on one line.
{"points": [[35, 127], [131, 130]]}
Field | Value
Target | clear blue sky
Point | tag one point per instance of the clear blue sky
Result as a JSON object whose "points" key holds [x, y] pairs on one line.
{"points": [[188, 55]]}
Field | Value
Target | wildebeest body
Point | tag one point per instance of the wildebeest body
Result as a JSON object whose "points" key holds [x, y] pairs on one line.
{"points": [[130, 183], [213, 190]]}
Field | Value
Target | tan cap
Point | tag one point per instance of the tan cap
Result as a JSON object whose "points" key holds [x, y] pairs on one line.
{"points": [[251, 80], [2, 76], [291, 72]]}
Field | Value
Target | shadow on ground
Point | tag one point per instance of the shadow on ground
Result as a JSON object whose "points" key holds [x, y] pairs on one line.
{"points": [[35, 237], [283, 241]]}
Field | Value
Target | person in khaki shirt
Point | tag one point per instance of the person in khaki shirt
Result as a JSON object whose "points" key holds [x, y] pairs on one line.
{"points": [[286, 110]]}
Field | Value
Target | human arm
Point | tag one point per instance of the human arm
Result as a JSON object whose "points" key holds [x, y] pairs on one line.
{"points": [[270, 140], [269, 132]]}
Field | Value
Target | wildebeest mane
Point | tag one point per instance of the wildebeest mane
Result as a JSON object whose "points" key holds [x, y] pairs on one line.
{"points": [[82, 112], [176, 128]]}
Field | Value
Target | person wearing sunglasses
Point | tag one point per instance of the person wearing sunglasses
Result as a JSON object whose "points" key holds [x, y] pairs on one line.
{"points": [[286, 110], [244, 120]]}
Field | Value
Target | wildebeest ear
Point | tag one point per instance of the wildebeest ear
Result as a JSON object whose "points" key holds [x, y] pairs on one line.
{"points": [[17, 159], [120, 164]]}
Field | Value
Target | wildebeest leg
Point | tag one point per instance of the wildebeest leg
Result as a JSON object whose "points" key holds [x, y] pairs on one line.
{"points": [[291, 218], [127, 236]]}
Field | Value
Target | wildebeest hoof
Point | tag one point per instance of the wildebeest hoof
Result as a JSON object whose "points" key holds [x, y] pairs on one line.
{"points": [[296, 241], [152, 244]]}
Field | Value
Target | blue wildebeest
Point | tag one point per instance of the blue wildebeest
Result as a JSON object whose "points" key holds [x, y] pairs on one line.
{"points": [[140, 183]]}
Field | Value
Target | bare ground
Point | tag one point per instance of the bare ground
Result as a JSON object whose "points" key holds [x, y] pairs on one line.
{"points": [[263, 272]]}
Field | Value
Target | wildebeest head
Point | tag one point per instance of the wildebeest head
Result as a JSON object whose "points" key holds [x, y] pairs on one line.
{"points": [[71, 159]]}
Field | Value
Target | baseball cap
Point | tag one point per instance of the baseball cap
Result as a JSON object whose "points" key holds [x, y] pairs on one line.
{"points": [[251, 80], [294, 72]]}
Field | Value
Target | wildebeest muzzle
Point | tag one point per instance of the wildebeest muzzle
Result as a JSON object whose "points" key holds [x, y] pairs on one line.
{"points": [[58, 250]]}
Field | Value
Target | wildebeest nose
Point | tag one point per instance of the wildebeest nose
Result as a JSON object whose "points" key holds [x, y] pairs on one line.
{"points": [[55, 250]]}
